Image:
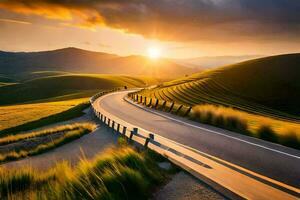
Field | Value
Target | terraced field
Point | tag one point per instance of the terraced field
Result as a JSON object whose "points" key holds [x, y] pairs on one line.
{"points": [[268, 86]]}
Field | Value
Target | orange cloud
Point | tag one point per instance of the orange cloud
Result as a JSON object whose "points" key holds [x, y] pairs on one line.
{"points": [[42, 9], [14, 21], [206, 20]]}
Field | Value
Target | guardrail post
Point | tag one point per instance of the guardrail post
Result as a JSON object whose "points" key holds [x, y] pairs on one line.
{"points": [[101, 116], [156, 103], [150, 103], [118, 128], [171, 107], [163, 105], [151, 137], [145, 100], [124, 130], [104, 120], [188, 111], [141, 99], [133, 132], [178, 109], [108, 122], [113, 125]]}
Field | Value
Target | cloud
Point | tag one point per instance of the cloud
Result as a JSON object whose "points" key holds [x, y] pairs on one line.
{"points": [[14, 21], [181, 20]]}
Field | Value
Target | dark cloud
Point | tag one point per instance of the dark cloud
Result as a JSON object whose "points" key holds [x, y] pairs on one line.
{"points": [[225, 20]]}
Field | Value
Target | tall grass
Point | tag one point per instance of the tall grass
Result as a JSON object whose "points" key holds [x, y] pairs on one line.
{"points": [[282, 132], [15, 138], [71, 113], [119, 173], [221, 118], [71, 132], [16, 115]]}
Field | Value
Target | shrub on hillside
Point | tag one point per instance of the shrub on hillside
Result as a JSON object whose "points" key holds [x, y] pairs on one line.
{"points": [[236, 124], [221, 120], [291, 140], [266, 133]]}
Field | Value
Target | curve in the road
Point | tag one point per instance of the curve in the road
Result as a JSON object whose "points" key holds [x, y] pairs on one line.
{"points": [[270, 160]]}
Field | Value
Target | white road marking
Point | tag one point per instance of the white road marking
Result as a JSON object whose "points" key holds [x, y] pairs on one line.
{"points": [[215, 132]]}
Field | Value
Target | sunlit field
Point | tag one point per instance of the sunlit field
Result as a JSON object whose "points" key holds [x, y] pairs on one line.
{"points": [[43, 94], [14, 147], [11, 116], [48, 87], [284, 132], [259, 86], [253, 95], [121, 173]]}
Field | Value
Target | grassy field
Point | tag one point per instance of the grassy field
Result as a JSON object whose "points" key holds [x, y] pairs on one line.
{"points": [[261, 92], [5, 80], [16, 115], [66, 87], [43, 140], [45, 97], [262, 86], [121, 173], [273, 130]]}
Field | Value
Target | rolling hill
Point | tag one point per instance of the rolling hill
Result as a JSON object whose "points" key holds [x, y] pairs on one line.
{"points": [[268, 86], [65, 87], [82, 61]]}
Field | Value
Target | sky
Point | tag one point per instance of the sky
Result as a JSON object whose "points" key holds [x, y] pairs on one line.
{"points": [[179, 28]]}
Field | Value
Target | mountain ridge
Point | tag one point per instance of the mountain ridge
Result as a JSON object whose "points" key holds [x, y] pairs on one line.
{"points": [[83, 61]]}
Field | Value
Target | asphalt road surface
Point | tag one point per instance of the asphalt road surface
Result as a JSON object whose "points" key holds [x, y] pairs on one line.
{"points": [[274, 161]]}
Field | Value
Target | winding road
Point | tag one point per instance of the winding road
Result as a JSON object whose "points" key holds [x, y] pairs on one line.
{"points": [[272, 164]]}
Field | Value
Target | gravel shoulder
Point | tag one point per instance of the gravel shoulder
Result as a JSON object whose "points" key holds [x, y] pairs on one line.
{"points": [[185, 187]]}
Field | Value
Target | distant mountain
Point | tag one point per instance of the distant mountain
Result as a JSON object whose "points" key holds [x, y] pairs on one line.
{"points": [[214, 61], [82, 61]]}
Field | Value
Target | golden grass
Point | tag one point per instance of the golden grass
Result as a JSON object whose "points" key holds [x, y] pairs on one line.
{"points": [[71, 132], [254, 121], [15, 138], [11, 116], [120, 173]]}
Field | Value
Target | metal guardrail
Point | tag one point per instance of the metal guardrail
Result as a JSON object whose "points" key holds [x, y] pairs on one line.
{"points": [[132, 132], [119, 126], [167, 106]]}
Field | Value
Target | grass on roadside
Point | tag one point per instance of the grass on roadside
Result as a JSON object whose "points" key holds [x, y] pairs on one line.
{"points": [[73, 112], [273, 130], [24, 136], [71, 132], [121, 173]]}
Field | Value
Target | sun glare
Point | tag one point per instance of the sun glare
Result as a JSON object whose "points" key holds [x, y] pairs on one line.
{"points": [[154, 52]]}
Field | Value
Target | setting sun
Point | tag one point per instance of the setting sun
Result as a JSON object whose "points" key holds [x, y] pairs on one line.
{"points": [[154, 52]]}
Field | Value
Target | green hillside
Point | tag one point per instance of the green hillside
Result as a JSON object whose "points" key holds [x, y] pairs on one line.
{"points": [[268, 86], [5, 80], [64, 87]]}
